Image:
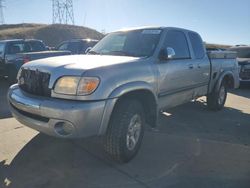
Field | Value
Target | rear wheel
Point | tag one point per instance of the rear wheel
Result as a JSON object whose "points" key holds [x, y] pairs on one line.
{"points": [[216, 100], [125, 131]]}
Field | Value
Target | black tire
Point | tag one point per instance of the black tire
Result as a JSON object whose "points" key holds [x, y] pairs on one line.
{"points": [[215, 100], [117, 136]]}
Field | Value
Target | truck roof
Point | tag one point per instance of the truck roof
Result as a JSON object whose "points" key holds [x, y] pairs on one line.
{"points": [[153, 27], [16, 40]]}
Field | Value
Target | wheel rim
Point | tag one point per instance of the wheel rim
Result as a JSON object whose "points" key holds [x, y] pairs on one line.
{"points": [[134, 131], [222, 94]]}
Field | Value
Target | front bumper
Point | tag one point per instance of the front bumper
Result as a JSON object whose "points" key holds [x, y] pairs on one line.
{"points": [[245, 73], [49, 115], [245, 76]]}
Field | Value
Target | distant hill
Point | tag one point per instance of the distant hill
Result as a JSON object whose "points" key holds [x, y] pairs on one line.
{"points": [[52, 35], [217, 46]]}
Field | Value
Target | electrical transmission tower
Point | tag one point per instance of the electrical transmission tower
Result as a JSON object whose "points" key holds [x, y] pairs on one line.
{"points": [[1, 12], [63, 12]]}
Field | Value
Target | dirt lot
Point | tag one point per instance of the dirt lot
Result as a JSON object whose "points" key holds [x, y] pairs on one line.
{"points": [[192, 147]]}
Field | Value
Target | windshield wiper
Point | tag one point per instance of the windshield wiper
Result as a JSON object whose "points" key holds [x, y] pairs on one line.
{"points": [[122, 53], [93, 52]]}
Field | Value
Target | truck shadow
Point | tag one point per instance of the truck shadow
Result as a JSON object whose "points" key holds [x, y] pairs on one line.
{"points": [[50, 162], [194, 119], [167, 157]]}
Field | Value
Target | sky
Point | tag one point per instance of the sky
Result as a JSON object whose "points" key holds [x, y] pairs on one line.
{"points": [[218, 21]]}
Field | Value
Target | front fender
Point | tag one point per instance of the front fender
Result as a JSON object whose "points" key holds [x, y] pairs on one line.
{"points": [[113, 98], [131, 86]]}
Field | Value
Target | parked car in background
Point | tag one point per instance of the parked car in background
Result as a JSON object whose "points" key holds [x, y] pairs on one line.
{"points": [[123, 82], [77, 46], [16, 52], [215, 49], [243, 58]]}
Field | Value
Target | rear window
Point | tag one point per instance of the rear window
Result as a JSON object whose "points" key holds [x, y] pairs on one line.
{"points": [[73, 47], [15, 47], [70, 46], [86, 45], [35, 46], [197, 45], [2, 48]]}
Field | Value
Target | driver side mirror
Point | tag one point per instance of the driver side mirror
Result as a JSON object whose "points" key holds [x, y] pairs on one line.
{"points": [[167, 53]]}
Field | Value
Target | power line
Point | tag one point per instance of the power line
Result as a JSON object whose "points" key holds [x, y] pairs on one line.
{"points": [[62, 12], [1, 12]]}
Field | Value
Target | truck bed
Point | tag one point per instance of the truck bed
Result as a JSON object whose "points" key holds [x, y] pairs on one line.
{"points": [[219, 61]]}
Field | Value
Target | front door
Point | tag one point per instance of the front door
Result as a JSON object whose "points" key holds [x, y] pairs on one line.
{"points": [[175, 75]]}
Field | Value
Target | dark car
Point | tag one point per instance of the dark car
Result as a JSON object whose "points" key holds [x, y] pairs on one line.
{"points": [[215, 49], [77, 46], [15, 52], [243, 54]]}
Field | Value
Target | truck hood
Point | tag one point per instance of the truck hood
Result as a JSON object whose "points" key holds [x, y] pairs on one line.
{"points": [[78, 63], [243, 61]]}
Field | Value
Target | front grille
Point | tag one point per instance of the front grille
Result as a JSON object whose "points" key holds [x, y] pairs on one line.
{"points": [[245, 74], [33, 116], [35, 82]]}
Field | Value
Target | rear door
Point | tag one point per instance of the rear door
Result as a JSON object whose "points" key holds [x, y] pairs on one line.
{"points": [[201, 65], [176, 74]]}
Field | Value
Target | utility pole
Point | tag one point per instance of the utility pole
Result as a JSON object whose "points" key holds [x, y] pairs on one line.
{"points": [[1, 12], [62, 12]]}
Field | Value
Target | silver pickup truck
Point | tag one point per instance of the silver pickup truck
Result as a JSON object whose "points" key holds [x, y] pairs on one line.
{"points": [[120, 86]]}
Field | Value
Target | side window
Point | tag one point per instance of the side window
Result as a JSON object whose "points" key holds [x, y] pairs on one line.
{"points": [[177, 40], [197, 45], [63, 47], [14, 48], [74, 47], [36, 46]]}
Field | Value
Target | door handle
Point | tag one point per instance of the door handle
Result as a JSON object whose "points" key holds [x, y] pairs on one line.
{"points": [[190, 66], [199, 66]]}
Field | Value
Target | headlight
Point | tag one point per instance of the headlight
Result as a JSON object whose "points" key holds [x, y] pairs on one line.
{"points": [[67, 85], [70, 85]]}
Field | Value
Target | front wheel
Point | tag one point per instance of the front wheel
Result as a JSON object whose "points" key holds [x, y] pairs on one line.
{"points": [[125, 131], [216, 100]]}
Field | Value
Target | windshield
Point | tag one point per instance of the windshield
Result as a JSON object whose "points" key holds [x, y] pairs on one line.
{"points": [[242, 52], [137, 43]]}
